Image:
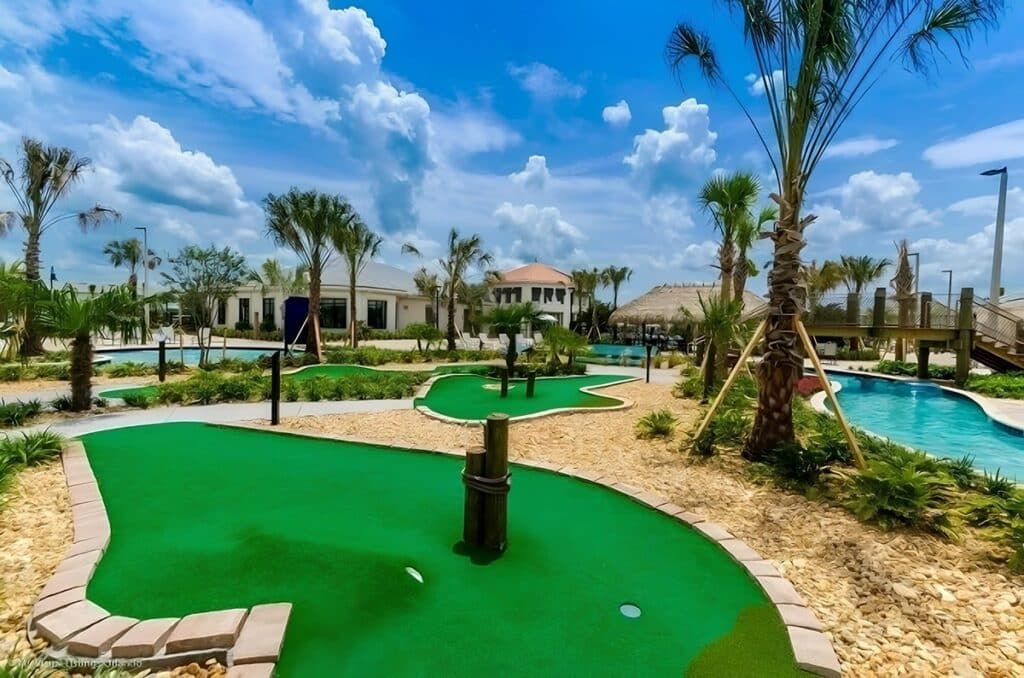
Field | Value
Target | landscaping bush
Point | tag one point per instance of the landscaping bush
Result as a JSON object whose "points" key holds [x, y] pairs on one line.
{"points": [[316, 388], [234, 365], [905, 369], [13, 372], [545, 369], [996, 485], [657, 424], [844, 353], [808, 386], [61, 403], [962, 471], [690, 386], [1015, 539], [31, 448], [798, 463], [18, 413], [373, 356], [1009, 385], [481, 370], [128, 369], [903, 492], [136, 399], [59, 371], [290, 390]]}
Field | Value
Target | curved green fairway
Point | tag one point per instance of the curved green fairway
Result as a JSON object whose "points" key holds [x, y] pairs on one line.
{"points": [[206, 517], [472, 398]]}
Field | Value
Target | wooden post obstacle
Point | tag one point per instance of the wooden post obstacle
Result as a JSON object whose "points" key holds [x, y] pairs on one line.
{"points": [[275, 389], [531, 383], [922, 347], [504, 382], [162, 361], [486, 477]]}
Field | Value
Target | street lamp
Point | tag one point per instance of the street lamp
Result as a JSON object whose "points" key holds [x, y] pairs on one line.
{"points": [[145, 278], [917, 270], [997, 250], [949, 290], [437, 305]]}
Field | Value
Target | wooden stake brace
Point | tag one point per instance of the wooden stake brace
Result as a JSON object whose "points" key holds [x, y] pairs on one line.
{"points": [[486, 477]]}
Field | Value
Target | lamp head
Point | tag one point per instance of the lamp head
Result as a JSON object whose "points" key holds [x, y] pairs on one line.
{"points": [[993, 172]]}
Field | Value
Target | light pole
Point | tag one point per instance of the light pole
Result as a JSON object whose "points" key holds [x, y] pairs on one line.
{"points": [[145, 278], [917, 270], [949, 289], [997, 250]]}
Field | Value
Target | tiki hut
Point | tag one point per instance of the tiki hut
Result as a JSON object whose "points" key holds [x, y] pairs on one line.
{"points": [[665, 305]]}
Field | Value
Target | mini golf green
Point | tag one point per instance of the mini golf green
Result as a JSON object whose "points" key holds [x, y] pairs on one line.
{"points": [[206, 517], [471, 397]]}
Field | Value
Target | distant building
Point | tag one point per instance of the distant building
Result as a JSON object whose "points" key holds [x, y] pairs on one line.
{"points": [[549, 289], [666, 305], [386, 299]]}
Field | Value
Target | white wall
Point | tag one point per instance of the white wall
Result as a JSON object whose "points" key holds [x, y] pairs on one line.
{"points": [[559, 309]]}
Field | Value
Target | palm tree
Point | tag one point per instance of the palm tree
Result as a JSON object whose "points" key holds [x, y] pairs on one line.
{"points": [[308, 223], [271, 275], [67, 316], [559, 340], [357, 245], [819, 281], [17, 296], [428, 285], [508, 319], [903, 284], [816, 61], [462, 254], [720, 326], [748, 232], [580, 281], [613, 277], [46, 175], [586, 282], [729, 199], [859, 272], [473, 296], [128, 253]]}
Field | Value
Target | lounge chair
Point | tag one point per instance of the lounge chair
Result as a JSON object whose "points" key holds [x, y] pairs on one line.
{"points": [[538, 338]]}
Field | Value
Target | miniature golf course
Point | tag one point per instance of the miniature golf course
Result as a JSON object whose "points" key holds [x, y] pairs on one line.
{"points": [[471, 397], [207, 517]]}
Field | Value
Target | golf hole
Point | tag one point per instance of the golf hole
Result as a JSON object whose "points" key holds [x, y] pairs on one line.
{"points": [[415, 574], [629, 610]]}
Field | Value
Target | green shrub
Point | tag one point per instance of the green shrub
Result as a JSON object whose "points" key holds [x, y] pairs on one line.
{"points": [[12, 372], [730, 425], [690, 386], [233, 365], [136, 399], [32, 448], [545, 369], [900, 492], [204, 387], [799, 464], [290, 390], [961, 471], [61, 403], [905, 369], [1015, 540], [18, 413], [657, 424], [996, 485], [316, 388], [172, 393], [128, 369], [704, 445], [845, 353], [59, 371], [481, 370], [1009, 385]]}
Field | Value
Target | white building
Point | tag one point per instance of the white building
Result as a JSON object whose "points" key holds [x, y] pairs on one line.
{"points": [[386, 299], [549, 289]]}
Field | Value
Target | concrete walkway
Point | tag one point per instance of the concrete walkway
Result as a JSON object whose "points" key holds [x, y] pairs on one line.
{"points": [[658, 375], [214, 414]]}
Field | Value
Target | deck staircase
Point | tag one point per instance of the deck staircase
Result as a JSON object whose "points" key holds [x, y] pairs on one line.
{"points": [[998, 338]]}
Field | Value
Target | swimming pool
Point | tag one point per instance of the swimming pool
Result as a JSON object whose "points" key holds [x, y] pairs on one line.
{"points": [[929, 418], [614, 354], [151, 356]]}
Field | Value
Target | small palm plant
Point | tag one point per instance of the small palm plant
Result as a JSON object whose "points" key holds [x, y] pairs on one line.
{"points": [[720, 325], [509, 320], [559, 340], [657, 424], [68, 316]]}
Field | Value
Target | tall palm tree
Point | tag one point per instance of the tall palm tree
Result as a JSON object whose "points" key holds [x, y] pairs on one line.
{"points": [[357, 245], [128, 253], [748, 232], [613, 277], [308, 223], [820, 280], [859, 272], [428, 284], [46, 175], [474, 296], [729, 199], [903, 285], [271, 275], [816, 61], [462, 255], [580, 281], [67, 316]]}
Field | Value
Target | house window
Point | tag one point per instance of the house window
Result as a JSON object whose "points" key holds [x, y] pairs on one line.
{"points": [[497, 295], [535, 293], [519, 294], [243, 311], [560, 295], [333, 314], [548, 294], [222, 312], [377, 314], [268, 313]]}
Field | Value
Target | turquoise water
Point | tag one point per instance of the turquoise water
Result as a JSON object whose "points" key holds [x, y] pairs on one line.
{"points": [[926, 417], [150, 356], [616, 351]]}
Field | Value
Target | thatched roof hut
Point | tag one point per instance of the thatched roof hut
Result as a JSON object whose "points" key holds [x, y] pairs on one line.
{"points": [[664, 305]]}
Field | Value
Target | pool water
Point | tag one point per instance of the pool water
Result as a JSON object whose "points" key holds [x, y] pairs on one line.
{"points": [[928, 418], [150, 356]]}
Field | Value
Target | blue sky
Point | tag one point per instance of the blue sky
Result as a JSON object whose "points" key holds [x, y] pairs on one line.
{"points": [[552, 129]]}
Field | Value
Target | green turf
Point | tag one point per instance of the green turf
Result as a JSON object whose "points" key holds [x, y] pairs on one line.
{"points": [[149, 391], [472, 397], [205, 517], [331, 372]]}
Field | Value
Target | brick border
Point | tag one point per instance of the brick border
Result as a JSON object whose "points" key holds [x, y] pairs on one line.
{"points": [[246, 640], [624, 403], [249, 641]]}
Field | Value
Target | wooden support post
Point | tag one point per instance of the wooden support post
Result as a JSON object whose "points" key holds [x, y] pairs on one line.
{"points": [[853, 309], [531, 383], [878, 312], [965, 335], [181, 347], [162, 361], [275, 389], [473, 512], [224, 352], [736, 369], [922, 348], [851, 438], [504, 382]]}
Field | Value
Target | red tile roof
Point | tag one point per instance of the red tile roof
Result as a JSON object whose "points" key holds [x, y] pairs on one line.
{"points": [[536, 273]]}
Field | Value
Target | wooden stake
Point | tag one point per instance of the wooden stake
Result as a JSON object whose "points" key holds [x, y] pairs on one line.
{"points": [[473, 514], [736, 369], [496, 466], [858, 458]]}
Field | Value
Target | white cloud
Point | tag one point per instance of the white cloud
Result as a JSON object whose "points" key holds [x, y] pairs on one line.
{"points": [[149, 163], [467, 131], [990, 145], [617, 115], [9, 80], [535, 175], [858, 146], [757, 85], [970, 259], [669, 214], [179, 229], [541, 233], [544, 82], [985, 205], [870, 201], [664, 160]]}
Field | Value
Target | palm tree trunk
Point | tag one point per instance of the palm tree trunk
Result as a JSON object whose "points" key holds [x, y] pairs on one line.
{"points": [[353, 324], [727, 259], [510, 354], [782, 364], [615, 296], [313, 315], [709, 372], [451, 314], [81, 373], [32, 339], [739, 279]]}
